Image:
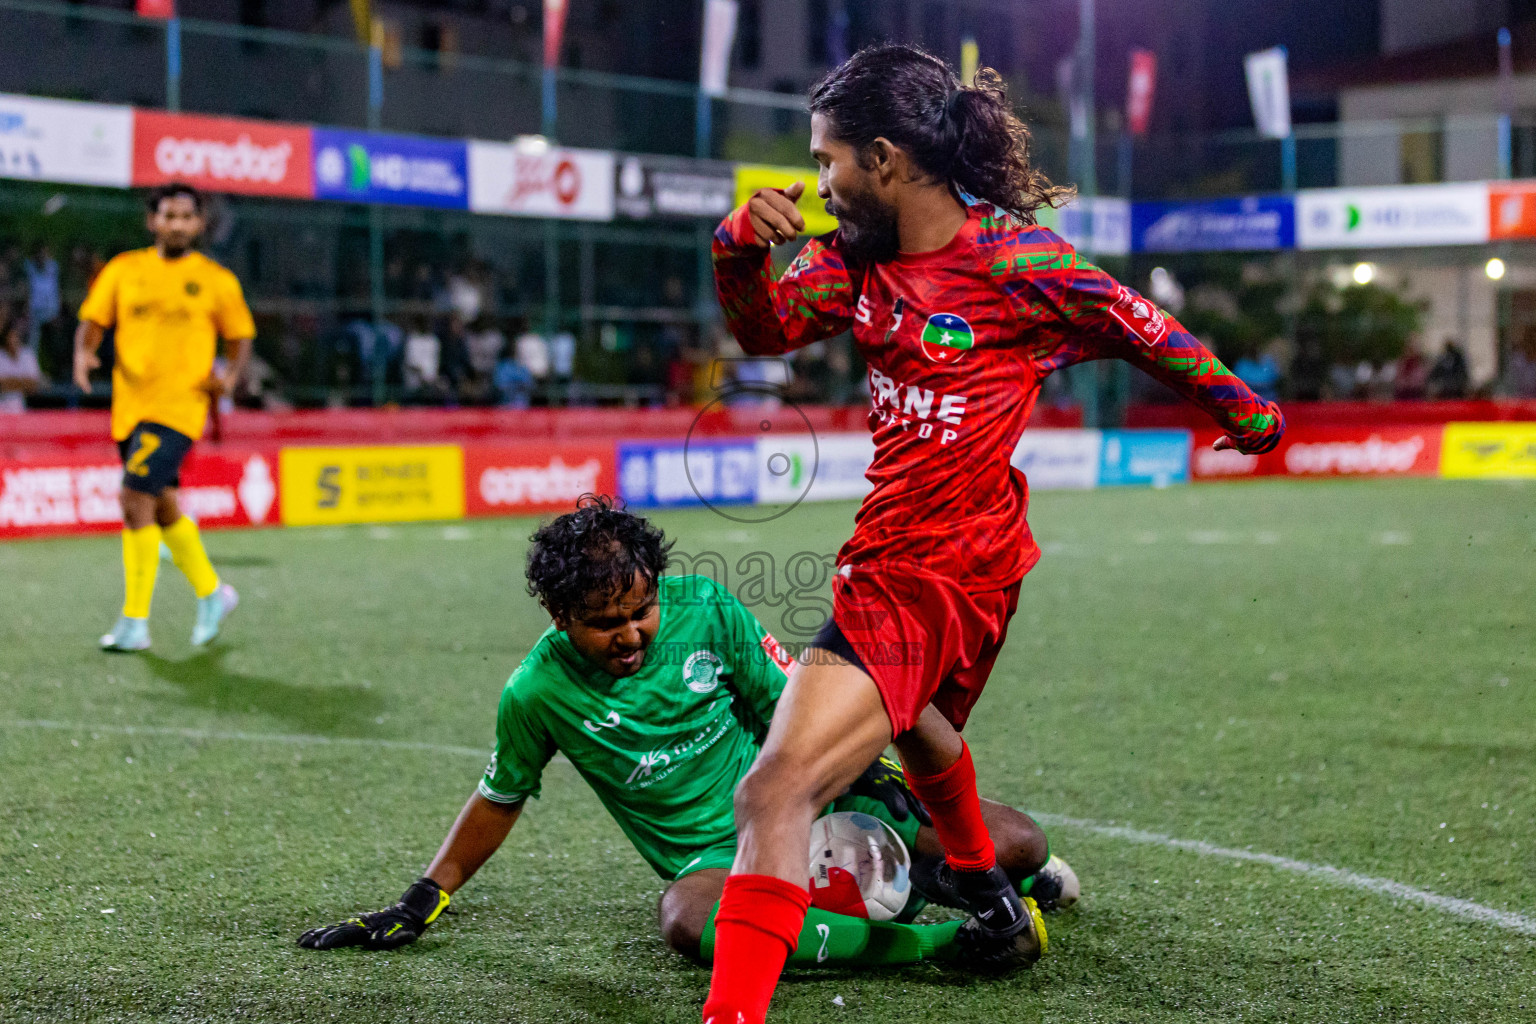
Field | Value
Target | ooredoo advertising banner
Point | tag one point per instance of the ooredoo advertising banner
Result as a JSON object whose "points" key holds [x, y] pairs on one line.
{"points": [[540, 181], [58, 140], [531, 479], [78, 494], [367, 167], [222, 154], [1327, 451], [1400, 215]]}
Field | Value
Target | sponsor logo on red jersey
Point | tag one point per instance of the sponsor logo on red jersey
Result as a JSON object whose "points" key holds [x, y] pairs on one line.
{"points": [[222, 154], [1139, 316], [946, 337]]}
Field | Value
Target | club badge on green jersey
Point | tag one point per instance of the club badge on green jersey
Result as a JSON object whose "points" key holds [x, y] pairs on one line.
{"points": [[701, 671]]}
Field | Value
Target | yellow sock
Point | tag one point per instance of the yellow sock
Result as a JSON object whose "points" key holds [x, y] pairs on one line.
{"points": [[141, 561], [186, 546]]}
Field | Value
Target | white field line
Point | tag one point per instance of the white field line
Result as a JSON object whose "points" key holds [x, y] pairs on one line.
{"points": [[1326, 872], [1465, 909]]}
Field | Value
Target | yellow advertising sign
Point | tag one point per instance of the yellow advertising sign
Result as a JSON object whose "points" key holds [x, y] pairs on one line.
{"points": [[751, 177], [384, 484], [1488, 451]]}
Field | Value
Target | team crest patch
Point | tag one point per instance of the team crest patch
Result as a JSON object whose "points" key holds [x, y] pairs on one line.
{"points": [[701, 671], [193, 287], [946, 337], [1139, 316]]}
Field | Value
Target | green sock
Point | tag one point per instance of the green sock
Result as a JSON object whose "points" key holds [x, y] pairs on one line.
{"points": [[828, 938]]}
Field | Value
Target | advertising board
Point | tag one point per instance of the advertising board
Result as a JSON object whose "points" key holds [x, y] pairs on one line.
{"points": [[1327, 451], [807, 467], [368, 167], [1143, 458], [220, 488], [371, 484], [540, 181], [530, 479], [1248, 224], [751, 177], [1059, 459], [63, 141], [648, 186], [1489, 451], [664, 474], [1400, 215], [222, 154]]}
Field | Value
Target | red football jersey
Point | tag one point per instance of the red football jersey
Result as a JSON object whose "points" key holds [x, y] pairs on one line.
{"points": [[958, 342]]}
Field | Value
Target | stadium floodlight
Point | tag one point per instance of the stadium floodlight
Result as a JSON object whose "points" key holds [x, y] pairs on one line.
{"points": [[1494, 268], [1364, 273], [533, 145]]}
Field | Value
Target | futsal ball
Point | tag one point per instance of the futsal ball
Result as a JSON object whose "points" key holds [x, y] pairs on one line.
{"points": [[859, 866]]}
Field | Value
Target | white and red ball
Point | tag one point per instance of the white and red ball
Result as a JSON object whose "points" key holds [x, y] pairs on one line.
{"points": [[859, 866]]}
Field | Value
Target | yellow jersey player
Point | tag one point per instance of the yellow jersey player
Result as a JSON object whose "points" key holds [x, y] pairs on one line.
{"points": [[170, 305]]}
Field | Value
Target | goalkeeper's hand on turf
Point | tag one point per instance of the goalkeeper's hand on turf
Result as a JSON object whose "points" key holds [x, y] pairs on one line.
{"points": [[397, 926], [885, 781]]}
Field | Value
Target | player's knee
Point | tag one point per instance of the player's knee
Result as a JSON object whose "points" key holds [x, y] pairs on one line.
{"points": [[772, 786], [1021, 845], [682, 924]]}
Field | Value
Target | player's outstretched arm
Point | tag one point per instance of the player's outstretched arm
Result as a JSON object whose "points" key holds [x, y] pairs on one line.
{"points": [[480, 829], [813, 300], [1099, 318]]}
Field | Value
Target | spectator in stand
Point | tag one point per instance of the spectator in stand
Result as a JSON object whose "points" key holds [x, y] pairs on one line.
{"points": [[1449, 378], [533, 355], [13, 281], [1308, 371], [562, 363], [1412, 376], [514, 384], [44, 304], [1521, 373], [423, 360], [483, 347], [465, 294], [19, 373]]}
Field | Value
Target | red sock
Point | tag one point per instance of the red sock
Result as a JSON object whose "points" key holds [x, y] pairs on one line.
{"points": [[950, 797], [756, 928]]}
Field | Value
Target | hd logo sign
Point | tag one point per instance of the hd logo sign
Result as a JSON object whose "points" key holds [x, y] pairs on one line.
{"points": [[371, 484]]}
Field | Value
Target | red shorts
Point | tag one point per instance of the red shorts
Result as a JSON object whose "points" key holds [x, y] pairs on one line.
{"points": [[922, 638]]}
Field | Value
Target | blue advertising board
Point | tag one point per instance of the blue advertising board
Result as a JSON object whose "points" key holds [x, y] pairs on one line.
{"points": [[675, 473], [1141, 458], [368, 167], [1218, 225]]}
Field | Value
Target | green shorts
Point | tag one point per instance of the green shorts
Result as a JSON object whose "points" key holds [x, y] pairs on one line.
{"points": [[723, 854]]}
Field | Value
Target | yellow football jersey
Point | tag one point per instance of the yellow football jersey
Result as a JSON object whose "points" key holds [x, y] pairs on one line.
{"points": [[169, 316]]}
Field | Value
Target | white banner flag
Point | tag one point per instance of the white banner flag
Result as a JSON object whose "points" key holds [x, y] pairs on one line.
{"points": [[1269, 91], [715, 50]]}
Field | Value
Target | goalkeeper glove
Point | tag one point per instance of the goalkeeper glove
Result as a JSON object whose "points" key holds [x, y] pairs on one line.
{"points": [[397, 926], [885, 781]]}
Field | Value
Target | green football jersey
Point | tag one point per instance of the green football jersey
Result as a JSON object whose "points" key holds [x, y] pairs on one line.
{"points": [[663, 748]]}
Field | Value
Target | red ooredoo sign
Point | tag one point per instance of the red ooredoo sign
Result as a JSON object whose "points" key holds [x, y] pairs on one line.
{"points": [[524, 479], [222, 154]]}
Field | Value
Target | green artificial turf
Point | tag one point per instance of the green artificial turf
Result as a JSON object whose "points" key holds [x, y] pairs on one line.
{"points": [[1340, 673]]}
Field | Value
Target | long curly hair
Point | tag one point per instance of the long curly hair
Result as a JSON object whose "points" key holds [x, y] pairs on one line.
{"points": [[584, 558], [967, 135]]}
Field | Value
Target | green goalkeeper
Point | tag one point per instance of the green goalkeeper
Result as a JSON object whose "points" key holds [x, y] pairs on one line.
{"points": [[659, 691]]}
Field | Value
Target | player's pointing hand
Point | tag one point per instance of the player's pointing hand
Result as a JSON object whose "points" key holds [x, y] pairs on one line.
{"points": [[774, 217]]}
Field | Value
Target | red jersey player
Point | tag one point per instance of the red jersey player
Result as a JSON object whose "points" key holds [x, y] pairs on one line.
{"points": [[961, 306]]}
